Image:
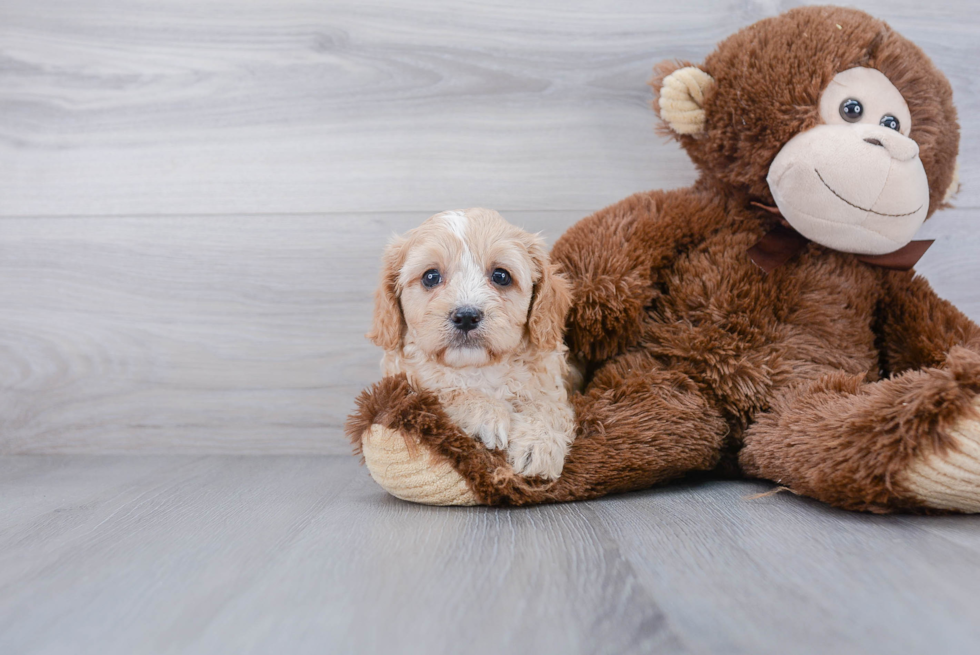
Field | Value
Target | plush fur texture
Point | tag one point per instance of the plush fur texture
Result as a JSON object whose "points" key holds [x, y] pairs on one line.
{"points": [[769, 77], [602, 460], [504, 378], [829, 376]]}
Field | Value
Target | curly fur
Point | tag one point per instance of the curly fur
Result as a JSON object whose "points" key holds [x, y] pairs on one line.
{"points": [[502, 380]]}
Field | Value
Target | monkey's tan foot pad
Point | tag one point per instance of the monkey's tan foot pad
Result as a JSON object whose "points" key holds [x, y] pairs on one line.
{"points": [[415, 452], [951, 480], [405, 468]]}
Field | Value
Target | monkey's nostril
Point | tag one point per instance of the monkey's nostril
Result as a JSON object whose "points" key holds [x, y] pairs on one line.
{"points": [[875, 142]]}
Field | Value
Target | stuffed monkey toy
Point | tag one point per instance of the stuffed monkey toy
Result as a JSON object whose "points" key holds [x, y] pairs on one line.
{"points": [[765, 321]]}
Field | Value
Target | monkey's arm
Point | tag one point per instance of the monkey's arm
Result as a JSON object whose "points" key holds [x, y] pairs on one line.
{"points": [[612, 259], [918, 329]]}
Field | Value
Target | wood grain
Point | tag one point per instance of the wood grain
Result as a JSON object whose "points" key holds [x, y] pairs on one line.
{"points": [[193, 200], [177, 108], [111, 551], [165, 554], [194, 197], [756, 572], [184, 334], [227, 334]]}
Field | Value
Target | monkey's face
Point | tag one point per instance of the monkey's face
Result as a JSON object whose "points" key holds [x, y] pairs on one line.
{"points": [[826, 112], [855, 183]]}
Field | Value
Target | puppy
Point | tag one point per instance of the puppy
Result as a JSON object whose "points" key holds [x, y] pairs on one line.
{"points": [[470, 308]]}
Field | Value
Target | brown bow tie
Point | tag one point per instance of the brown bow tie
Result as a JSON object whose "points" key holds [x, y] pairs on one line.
{"points": [[782, 242]]}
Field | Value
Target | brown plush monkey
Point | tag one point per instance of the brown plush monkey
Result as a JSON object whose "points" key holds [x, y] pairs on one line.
{"points": [[759, 321]]}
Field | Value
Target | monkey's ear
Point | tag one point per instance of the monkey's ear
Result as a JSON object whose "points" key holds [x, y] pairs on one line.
{"points": [[681, 90]]}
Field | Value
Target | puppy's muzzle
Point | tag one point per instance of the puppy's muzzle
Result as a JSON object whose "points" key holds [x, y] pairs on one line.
{"points": [[466, 319]]}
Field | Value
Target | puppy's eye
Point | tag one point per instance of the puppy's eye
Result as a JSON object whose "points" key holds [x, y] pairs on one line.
{"points": [[500, 277], [851, 110], [890, 122], [431, 278]]}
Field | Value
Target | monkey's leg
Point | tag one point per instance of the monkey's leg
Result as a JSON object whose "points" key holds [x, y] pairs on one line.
{"points": [[911, 442], [639, 425]]}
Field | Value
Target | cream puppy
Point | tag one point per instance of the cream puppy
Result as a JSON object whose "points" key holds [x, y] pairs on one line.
{"points": [[470, 308]]}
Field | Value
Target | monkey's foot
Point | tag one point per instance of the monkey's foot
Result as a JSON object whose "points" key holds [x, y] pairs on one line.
{"points": [[951, 480], [412, 473]]}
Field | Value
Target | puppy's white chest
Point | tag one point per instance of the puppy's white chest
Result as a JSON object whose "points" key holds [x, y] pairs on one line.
{"points": [[497, 381], [502, 382]]}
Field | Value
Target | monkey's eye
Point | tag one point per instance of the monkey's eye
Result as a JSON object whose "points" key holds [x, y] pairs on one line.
{"points": [[431, 278], [500, 277], [890, 122], [851, 110]]}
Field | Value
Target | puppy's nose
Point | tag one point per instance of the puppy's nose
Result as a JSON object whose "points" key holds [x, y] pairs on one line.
{"points": [[466, 318]]}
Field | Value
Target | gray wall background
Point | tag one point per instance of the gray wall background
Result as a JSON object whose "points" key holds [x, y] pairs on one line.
{"points": [[194, 196]]}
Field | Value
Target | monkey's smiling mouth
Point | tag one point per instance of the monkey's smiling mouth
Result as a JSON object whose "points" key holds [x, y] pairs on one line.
{"points": [[864, 209]]}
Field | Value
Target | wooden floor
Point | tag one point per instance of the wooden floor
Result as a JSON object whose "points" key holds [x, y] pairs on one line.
{"points": [[305, 554], [193, 200]]}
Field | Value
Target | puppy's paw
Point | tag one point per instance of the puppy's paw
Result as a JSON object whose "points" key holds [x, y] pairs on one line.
{"points": [[490, 427], [494, 435], [537, 459]]}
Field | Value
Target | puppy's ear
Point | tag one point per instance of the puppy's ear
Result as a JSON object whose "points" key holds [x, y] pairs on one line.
{"points": [[388, 327], [551, 298]]}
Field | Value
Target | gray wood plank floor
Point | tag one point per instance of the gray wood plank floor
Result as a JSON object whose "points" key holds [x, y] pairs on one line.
{"points": [[305, 554]]}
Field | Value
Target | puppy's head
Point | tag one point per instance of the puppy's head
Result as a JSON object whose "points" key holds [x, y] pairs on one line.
{"points": [[468, 287]]}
